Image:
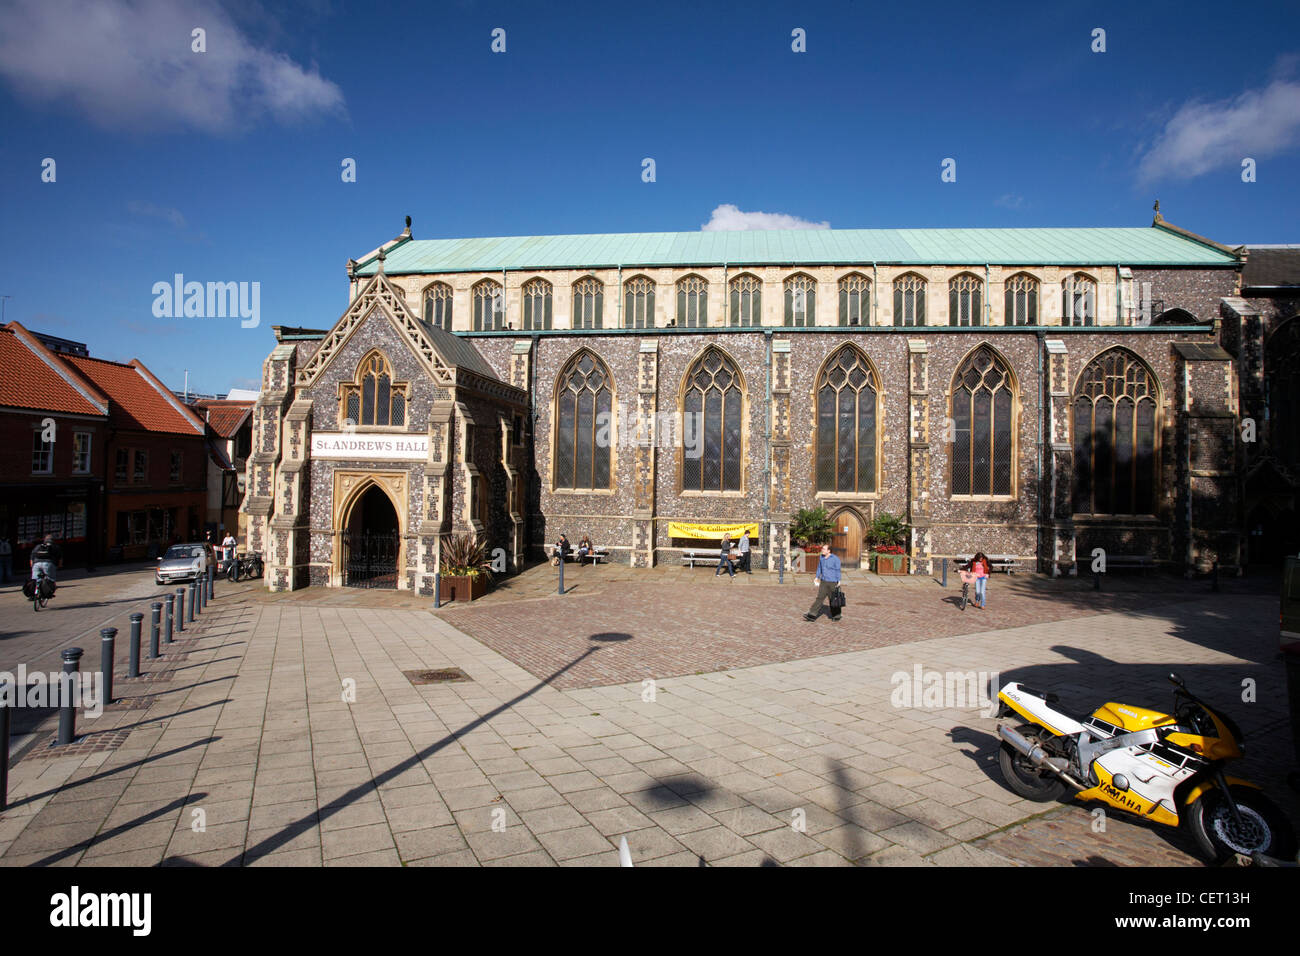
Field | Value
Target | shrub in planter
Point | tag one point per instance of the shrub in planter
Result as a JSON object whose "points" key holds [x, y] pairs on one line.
{"points": [[465, 568], [811, 528], [889, 559], [885, 540]]}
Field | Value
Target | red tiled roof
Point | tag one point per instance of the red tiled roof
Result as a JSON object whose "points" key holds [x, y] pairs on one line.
{"points": [[225, 416], [31, 377], [139, 401]]}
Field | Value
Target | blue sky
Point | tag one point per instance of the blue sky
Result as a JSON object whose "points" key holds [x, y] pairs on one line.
{"points": [[225, 165]]}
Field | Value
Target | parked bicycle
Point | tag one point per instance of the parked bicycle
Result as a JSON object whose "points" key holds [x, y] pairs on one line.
{"points": [[39, 590], [244, 566]]}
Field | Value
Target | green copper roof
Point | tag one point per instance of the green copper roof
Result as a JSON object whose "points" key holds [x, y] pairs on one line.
{"points": [[1150, 246]]}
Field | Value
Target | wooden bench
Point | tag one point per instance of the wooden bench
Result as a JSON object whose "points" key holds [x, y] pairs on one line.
{"points": [[596, 555], [693, 556], [1007, 563]]}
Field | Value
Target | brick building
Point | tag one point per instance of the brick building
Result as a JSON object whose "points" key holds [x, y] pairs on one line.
{"points": [[154, 472], [1030, 392], [53, 428]]}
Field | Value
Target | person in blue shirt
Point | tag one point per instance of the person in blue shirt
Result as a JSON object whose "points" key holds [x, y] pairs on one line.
{"points": [[827, 580]]}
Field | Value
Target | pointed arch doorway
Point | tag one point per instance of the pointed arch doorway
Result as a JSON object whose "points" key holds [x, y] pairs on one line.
{"points": [[371, 545], [847, 538]]}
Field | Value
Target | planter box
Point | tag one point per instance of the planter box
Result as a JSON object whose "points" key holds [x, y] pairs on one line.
{"points": [[891, 563], [462, 588]]}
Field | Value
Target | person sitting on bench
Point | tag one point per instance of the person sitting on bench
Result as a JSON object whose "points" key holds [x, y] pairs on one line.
{"points": [[586, 550]]}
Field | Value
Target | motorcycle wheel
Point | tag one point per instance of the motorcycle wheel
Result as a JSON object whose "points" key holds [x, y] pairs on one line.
{"points": [[1263, 826], [1024, 779]]}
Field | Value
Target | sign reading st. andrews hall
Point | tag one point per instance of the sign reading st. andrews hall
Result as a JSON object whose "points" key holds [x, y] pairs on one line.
{"points": [[373, 446]]}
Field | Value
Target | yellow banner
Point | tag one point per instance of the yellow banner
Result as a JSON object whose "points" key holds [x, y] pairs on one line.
{"points": [[710, 532]]}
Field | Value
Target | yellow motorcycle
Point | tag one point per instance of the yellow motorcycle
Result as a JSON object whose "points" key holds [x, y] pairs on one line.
{"points": [[1167, 769]]}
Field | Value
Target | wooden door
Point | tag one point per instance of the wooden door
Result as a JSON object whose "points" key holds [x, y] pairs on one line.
{"points": [[846, 541]]}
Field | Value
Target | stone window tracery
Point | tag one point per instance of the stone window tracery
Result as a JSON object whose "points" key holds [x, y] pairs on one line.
{"points": [[692, 302], [1021, 293], [437, 305], [583, 425], [983, 448], [855, 300], [800, 301], [965, 300], [588, 303], [373, 398], [1116, 420], [846, 424], [712, 410], [909, 300]]}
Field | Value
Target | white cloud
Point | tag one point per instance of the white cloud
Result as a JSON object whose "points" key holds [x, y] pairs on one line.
{"points": [[1201, 137], [727, 218], [130, 63], [1010, 201]]}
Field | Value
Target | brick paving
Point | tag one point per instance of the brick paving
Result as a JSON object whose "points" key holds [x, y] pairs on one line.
{"points": [[289, 725], [666, 625]]}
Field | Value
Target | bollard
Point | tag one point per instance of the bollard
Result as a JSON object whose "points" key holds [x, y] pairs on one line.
{"points": [[133, 655], [107, 640], [1096, 580], [170, 601], [945, 572], [437, 589], [561, 574], [180, 611], [1216, 576], [196, 597], [212, 583], [68, 709], [4, 748]]}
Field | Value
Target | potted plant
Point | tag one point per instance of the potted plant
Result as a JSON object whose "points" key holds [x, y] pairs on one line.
{"points": [[811, 528], [465, 568], [885, 541]]}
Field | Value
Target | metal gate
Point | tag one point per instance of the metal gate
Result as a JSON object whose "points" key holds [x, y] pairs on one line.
{"points": [[370, 560]]}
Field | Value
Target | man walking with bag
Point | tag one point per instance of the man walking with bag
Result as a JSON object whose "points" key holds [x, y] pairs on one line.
{"points": [[828, 582]]}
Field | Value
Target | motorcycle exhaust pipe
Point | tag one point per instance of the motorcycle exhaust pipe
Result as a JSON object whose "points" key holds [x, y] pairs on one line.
{"points": [[1037, 755]]}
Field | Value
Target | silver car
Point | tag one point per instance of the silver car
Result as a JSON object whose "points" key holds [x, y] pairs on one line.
{"points": [[184, 562]]}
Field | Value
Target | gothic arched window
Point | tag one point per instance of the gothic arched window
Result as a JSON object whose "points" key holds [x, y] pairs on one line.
{"points": [[537, 304], [855, 300], [712, 426], [373, 398], [846, 424], [909, 300], [800, 300], [437, 305], [1079, 300], [583, 423], [746, 301], [1021, 307], [692, 302], [983, 402], [588, 303], [489, 306], [638, 303], [965, 300], [1116, 420]]}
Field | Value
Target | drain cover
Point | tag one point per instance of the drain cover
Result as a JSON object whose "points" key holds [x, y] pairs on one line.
{"points": [[446, 675]]}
